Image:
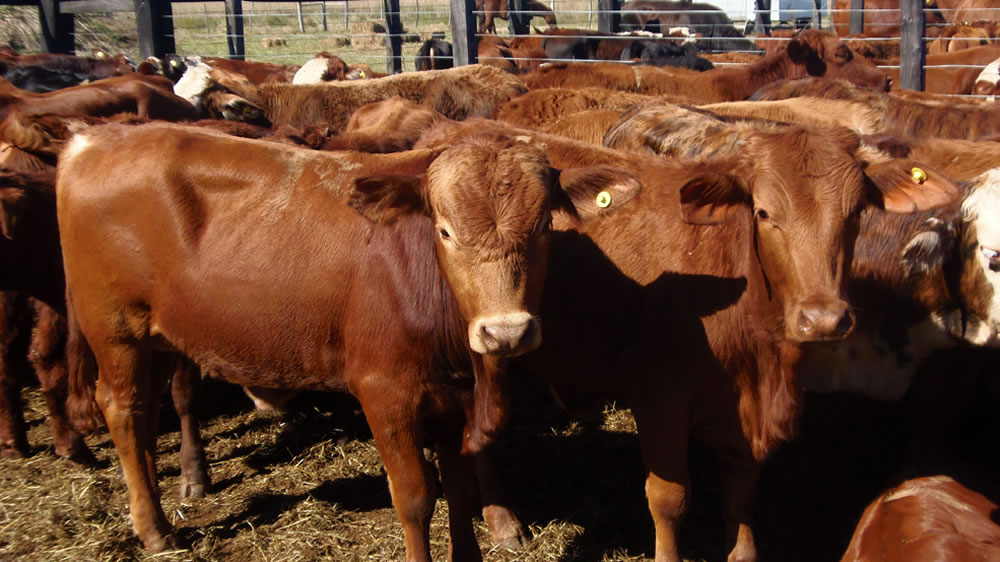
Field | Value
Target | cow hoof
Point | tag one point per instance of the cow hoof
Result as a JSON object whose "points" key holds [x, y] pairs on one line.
{"points": [[164, 543], [193, 489], [514, 542], [80, 456]]}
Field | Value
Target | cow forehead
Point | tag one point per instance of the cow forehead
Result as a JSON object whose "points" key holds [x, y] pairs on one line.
{"points": [[491, 193], [802, 170], [982, 207]]}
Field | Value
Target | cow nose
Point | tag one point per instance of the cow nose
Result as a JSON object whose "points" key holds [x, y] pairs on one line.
{"points": [[507, 337], [825, 323]]}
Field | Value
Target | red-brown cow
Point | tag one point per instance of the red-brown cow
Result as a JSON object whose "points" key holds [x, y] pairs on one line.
{"points": [[810, 53], [931, 518], [248, 258], [942, 79], [691, 305], [150, 97]]}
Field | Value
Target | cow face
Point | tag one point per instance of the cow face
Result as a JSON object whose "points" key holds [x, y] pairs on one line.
{"points": [[492, 200], [805, 190], [980, 254], [825, 56]]}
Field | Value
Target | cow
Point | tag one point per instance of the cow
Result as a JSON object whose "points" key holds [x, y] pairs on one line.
{"points": [[929, 518], [692, 304], [392, 125], [434, 54], [889, 114], [149, 97], [810, 53], [47, 72], [398, 284], [715, 30], [321, 68], [957, 37], [956, 11], [257, 72], [881, 18], [457, 93], [488, 10], [941, 78], [538, 108]]}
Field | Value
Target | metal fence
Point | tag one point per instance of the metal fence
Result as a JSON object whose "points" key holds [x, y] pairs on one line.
{"points": [[388, 32]]}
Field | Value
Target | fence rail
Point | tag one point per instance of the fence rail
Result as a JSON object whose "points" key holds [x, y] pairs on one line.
{"points": [[160, 30]]}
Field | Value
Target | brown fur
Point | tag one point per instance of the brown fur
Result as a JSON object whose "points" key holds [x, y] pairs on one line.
{"points": [[895, 115], [811, 52], [457, 93], [879, 21], [952, 80], [539, 108], [932, 518], [257, 72], [392, 125]]}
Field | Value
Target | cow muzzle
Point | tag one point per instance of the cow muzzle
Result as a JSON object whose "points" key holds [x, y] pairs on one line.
{"points": [[505, 335], [812, 321]]}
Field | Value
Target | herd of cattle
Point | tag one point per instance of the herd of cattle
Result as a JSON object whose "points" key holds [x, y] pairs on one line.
{"points": [[700, 246]]}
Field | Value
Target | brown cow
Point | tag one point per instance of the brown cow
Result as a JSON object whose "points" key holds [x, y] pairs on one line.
{"points": [[941, 79], [257, 72], [881, 18], [714, 277], [930, 518], [428, 277], [888, 114], [457, 93], [149, 97], [811, 53], [538, 108], [957, 11], [489, 10]]}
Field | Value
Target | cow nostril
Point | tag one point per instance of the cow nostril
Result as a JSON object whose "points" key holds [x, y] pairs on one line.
{"points": [[846, 324], [502, 336]]}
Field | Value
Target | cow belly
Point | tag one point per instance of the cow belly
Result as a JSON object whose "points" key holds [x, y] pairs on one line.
{"points": [[868, 364]]}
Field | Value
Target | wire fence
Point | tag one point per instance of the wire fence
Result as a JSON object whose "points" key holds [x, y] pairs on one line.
{"points": [[357, 30]]}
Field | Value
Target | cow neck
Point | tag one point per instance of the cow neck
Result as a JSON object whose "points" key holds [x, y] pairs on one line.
{"points": [[744, 81], [906, 117]]}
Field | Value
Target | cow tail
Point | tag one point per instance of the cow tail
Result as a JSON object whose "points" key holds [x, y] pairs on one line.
{"points": [[81, 404]]}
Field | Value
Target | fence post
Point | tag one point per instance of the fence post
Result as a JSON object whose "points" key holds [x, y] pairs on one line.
{"points": [[609, 17], [912, 55], [323, 10], [857, 17], [393, 37], [302, 21], [234, 29], [465, 44], [155, 26], [56, 28], [519, 21]]}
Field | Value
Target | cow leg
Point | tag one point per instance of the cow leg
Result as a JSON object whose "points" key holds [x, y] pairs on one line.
{"points": [[663, 438], [48, 355], [739, 481], [506, 529], [194, 466], [392, 417], [13, 435], [458, 478], [126, 394]]}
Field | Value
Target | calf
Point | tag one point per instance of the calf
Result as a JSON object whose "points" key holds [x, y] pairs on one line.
{"points": [[407, 272], [47, 72], [714, 278], [931, 518], [943, 79]]}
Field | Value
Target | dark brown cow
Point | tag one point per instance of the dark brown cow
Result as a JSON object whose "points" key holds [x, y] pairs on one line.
{"points": [[889, 114], [440, 276], [690, 306], [811, 53], [931, 518], [149, 97]]}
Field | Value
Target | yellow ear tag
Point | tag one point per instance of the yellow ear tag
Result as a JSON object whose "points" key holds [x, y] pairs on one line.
{"points": [[362, 73], [918, 175], [603, 199]]}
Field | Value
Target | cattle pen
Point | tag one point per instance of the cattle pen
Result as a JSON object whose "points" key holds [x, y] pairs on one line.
{"points": [[386, 32]]}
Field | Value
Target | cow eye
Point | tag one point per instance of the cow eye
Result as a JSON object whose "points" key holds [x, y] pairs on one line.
{"points": [[762, 215], [444, 234]]}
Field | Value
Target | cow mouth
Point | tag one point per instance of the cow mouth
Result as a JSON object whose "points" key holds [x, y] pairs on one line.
{"points": [[507, 335], [819, 322]]}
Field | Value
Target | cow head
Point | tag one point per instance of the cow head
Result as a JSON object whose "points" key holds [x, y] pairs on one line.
{"points": [[492, 200], [823, 55], [805, 190]]}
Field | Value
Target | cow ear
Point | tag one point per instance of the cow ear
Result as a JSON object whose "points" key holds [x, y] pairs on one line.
{"points": [[928, 250], [11, 204], [587, 193], [902, 186], [384, 199], [711, 197]]}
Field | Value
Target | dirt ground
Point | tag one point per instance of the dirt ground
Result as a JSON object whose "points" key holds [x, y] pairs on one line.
{"points": [[308, 485]]}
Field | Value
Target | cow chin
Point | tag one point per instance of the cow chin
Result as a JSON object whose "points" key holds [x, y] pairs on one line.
{"points": [[819, 321], [505, 335]]}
